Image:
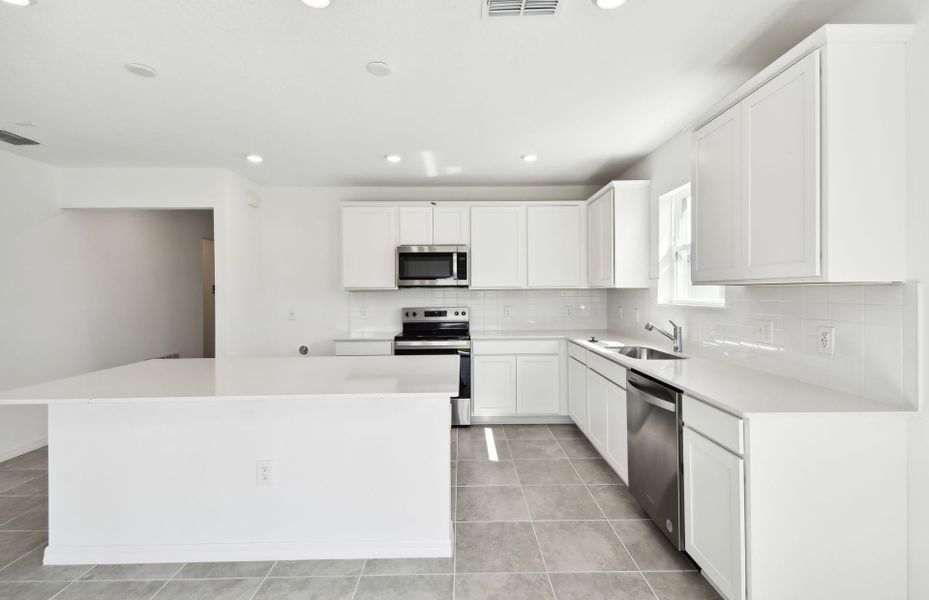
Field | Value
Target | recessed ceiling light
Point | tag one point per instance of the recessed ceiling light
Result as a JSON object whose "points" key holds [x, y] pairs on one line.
{"points": [[393, 158], [316, 3], [254, 158], [609, 4], [20, 2], [379, 69], [530, 157], [141, 70]]}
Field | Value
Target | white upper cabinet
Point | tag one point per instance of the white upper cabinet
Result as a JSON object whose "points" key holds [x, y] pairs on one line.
{"points": [[716, 182], [799, 176], [617, 235], [780, 182], [451, 225], [369, 247], [415, 225], [498, 246], [556, 246]]}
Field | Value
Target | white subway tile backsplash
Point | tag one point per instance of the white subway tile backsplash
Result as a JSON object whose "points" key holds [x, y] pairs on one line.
{"points": [[875, 340]]}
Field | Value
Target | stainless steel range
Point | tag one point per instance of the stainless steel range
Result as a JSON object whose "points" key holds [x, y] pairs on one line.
{"points": [[441, 331]]}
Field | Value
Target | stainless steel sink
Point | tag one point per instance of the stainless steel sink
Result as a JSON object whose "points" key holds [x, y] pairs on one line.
{"points": [[646, 353]]}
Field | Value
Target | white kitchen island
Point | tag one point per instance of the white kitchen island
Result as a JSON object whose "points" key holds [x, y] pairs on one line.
{"points": [[160, 461]]}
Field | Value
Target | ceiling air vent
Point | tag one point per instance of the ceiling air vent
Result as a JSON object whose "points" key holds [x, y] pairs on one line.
{"points": [[16, 140], [520, 8]]}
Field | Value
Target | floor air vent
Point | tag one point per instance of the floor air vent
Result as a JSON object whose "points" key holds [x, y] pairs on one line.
{"points": [[16, 140], [520, 8]]}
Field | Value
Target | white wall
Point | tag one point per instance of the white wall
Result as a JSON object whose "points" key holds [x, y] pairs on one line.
{"points": [[300, 265], [86, 290]]}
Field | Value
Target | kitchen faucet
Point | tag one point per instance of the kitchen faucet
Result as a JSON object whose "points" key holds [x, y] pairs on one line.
{"points": [[677, 336]]}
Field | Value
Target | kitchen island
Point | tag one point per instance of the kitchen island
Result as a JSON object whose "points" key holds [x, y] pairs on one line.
{"points": [[198, 460]]}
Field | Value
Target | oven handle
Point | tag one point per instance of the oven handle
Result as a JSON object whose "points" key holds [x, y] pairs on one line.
{"points": [[657, 403]]}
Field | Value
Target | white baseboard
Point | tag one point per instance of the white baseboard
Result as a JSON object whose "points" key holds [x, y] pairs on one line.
{"points": [[523, 420], [6, 455], [90, 555]]}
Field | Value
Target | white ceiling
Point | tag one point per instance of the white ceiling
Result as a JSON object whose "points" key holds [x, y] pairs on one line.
{"points": [[588, 90]]}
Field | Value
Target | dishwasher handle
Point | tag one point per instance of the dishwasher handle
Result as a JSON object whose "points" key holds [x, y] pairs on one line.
{"points": [[646, 396]]}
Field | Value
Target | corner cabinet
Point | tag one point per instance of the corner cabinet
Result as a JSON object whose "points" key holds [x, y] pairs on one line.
{"points": [[369, 247], [794, 170], [556, 244], [617, 236]]}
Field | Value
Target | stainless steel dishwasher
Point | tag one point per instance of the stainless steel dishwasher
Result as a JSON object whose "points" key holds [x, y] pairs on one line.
{"points": [[653, 419]]}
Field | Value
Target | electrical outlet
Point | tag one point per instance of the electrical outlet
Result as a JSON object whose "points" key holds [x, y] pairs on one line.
{"points": [[264, 472], [291, 315], [568, 310], [635, 311], [507, 311], [764, 331], [825, 340], [363, 312], [620, 313]]}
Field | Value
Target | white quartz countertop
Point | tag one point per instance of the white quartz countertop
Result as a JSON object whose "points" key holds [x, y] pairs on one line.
{"points": [[258, 378], [738, 390]]}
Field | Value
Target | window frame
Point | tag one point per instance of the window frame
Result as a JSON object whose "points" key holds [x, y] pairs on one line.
{"points": [[669, 249]]}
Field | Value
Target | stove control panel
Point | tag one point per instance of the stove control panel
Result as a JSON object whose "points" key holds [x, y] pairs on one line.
{"points": [[427, 315]]}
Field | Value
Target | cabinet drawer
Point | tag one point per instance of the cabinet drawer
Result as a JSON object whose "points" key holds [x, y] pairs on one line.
{"points": [[515, 347], [721, 427], [575, 351], [612, 371], [364, 348]]}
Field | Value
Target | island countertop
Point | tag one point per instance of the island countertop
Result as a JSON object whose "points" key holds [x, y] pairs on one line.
{"points": [[253, 377]]}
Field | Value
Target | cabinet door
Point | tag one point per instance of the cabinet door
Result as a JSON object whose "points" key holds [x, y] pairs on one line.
{"points": [[369, 247], [780, 176], [577, 393], [415, 225], [617, 435], [494, 385], [716, 199], [451, 225], [597, 410], [537, 385], [498, 247], [600, 241], [714, 512], [555, 246]]}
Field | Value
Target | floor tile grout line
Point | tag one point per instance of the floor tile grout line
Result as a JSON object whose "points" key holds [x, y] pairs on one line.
{"points": [[622, 543], [535, 534], [263, 579], [364, 565], [18, 558]]}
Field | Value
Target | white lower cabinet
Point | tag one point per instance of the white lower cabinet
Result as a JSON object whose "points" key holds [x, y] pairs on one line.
{"points": [[714, 512], [577, 393], [537, 385], [516, 384], [597, 409], [494, 385], [617, 452]]}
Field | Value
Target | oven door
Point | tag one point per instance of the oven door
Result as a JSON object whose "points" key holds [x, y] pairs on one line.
{"points": [[461, 404], [428, 266]]}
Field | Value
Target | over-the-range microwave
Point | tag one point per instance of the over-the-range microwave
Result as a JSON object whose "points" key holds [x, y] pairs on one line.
{"points": [[432, 266]]}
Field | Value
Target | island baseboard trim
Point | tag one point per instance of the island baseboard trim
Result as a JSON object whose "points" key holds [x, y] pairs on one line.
{"points": [[87, 555]]}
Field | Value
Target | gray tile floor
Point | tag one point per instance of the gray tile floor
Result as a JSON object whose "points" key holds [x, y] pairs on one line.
{"points": [[541, 516]]}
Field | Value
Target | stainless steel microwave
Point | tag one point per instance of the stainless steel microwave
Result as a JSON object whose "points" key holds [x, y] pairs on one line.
{"points": [[432, 266]]}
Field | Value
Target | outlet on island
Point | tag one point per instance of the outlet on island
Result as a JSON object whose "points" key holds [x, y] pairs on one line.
{"points": [[264, 472]]}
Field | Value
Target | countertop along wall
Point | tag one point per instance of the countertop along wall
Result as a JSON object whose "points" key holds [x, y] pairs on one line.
{"points": [[87, 290]]}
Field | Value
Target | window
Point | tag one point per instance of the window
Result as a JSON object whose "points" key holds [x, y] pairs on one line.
{"points": [[674, 254]]}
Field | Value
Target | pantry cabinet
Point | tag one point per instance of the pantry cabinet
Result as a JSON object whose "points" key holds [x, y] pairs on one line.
{"points": [[793, 170], [369, 247], [617, 235]]}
